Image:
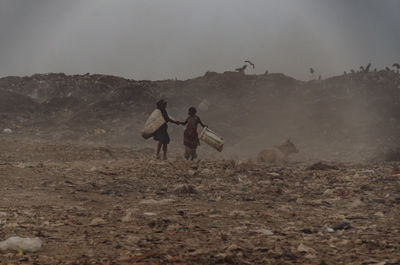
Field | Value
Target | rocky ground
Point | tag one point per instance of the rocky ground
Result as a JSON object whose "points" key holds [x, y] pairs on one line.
{"points": [[92, 204]]}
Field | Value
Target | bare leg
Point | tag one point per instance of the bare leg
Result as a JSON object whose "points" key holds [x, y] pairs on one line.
{"points": [[187, 153], [165, 151], [194, 154], [158, 149]]}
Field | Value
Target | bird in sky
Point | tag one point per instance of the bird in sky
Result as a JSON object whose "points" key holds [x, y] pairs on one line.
{"points": [[252, 64]]}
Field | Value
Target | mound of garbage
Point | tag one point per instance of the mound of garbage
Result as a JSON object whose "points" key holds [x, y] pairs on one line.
{"points": [[76, 204], [349, 117]]}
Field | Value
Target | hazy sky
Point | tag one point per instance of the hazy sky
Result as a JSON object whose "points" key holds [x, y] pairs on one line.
{"points": [[158, 39]]}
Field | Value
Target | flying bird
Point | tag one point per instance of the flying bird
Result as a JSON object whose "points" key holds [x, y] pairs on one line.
{"points": [[252, 64], [396, 65]]}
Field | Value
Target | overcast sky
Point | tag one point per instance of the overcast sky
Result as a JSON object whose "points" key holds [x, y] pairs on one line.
{"points": [[159, 39]]}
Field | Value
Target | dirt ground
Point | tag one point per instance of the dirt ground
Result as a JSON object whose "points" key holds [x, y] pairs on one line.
{"points": [[105, 205]]}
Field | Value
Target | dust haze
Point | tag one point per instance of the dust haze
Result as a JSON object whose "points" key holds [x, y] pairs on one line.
{"points": [[183, 39], [178, 40], [304, 93]]}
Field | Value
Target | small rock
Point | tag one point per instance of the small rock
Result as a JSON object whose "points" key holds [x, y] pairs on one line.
{"points": [[265, 232], [264, 182], [152, 201], [237, 213], [379, 214], [303, 248], [149, 214], [133, 239], [11, 225], [342, 226], [128, 217], [306, 231], [356, 203], [184, 188], [97, 221], [205, 171]]}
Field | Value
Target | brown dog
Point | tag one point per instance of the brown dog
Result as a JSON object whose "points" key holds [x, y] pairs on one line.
{"points": [[277, 154]]}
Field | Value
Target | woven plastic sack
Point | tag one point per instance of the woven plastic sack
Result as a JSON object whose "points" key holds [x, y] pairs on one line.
{"points": [[153, 122], [212, 139]]}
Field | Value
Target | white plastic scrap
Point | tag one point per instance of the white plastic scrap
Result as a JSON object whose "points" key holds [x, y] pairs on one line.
{"points": [[19, 243]]}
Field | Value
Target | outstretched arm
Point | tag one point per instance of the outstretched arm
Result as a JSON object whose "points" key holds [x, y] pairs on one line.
{"points": [[201, 123], [184, 122], [168, 119], [178, 122], [173, 121]]}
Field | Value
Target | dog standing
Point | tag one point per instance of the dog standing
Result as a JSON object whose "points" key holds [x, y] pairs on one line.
{"points": [[277, 154]]}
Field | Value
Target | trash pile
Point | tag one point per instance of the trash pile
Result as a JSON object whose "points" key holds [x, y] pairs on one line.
{"points": [[352, 117], [90, 205]]}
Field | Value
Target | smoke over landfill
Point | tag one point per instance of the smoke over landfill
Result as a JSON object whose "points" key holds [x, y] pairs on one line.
{"points": [[167, 39]]}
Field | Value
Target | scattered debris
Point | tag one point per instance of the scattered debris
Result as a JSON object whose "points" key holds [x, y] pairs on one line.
{"points": [[214, 210], [342, 226], [20, 243], [97, 221], [248, 213], [322, 166]]}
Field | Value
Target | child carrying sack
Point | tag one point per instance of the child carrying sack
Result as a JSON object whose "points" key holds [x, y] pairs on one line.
{"points": [[153, 122], [212, 139]]}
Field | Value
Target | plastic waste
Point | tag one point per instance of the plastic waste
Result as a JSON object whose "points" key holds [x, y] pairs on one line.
{"points": [[7, 130], [203, 106], [330, 230], [212, 139], [153, 122], [20, 243], [99, 131]]}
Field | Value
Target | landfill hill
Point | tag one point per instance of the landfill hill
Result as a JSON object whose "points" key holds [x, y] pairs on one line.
{"points": [[76, 174], [351, 117]]}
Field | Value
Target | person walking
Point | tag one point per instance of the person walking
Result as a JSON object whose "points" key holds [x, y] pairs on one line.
{"points": [[190, 135], [161, 134]]}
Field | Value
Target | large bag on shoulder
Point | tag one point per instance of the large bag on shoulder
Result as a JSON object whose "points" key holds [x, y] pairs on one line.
{"points": [[212, 139], [153, 122]]}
